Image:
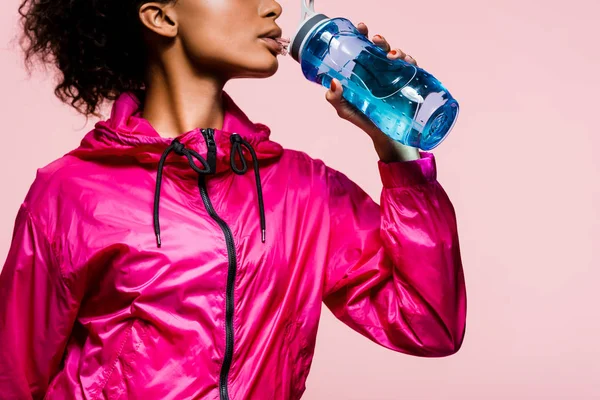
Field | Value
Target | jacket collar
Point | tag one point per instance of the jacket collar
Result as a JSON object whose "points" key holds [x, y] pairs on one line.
{"points": [[126, 135]]}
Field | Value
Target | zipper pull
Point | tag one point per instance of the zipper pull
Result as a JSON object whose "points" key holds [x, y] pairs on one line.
{"points": [[210, 137], [211, 149]]}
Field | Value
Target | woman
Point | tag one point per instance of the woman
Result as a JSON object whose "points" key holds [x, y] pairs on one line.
{"points": [[147, 264]]}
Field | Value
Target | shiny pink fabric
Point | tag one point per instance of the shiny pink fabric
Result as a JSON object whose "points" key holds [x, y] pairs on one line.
{"points": [[85, 280]]}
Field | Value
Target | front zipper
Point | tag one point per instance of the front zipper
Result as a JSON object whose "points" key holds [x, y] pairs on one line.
{"points": [[223, 389]]}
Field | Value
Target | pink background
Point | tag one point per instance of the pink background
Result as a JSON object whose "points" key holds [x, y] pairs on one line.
{"points": [[521, 167]]}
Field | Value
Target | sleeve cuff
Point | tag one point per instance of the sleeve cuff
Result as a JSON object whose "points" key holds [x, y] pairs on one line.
{"points": [[407, 173]]}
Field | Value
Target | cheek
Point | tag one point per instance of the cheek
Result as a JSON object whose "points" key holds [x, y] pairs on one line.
{"points": [[241, 50], [204, 44], [213, 37], [213, 45]]}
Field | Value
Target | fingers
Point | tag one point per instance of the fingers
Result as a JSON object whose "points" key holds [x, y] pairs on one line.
{"points": [[377, 39], [410, 60], [398, 53], [362, 28], [380, 41]]}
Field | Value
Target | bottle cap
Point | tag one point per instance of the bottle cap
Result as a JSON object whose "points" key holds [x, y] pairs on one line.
{"points": [[309, 20]]}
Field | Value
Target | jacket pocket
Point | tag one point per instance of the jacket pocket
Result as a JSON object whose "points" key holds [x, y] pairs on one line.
{"points": [[118, 383], [299, 357]]}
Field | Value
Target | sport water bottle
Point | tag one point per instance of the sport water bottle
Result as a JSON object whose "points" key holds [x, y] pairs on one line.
{"points": [[404, 101]]}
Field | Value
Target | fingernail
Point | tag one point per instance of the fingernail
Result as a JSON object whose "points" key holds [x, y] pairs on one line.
{"points": [[333, 86], [394, 52], [378, 36], [361, 23]]}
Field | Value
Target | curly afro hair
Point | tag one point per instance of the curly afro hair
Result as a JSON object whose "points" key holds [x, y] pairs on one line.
{"points": [[96, 45]]}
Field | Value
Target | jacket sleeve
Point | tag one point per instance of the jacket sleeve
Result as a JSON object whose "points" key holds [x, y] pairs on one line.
{"points": [[37, 312], [394, 271]]}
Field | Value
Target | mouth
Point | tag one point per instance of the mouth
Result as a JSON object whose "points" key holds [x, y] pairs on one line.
{"points": [[276, 45], [274, 33], [274, 41]]}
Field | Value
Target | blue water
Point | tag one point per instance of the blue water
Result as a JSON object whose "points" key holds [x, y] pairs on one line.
{"points": [[391, 93]]}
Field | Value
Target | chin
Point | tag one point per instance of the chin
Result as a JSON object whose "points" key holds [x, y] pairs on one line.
{"points": [[272, 66], [262, 68], [261, 65]]}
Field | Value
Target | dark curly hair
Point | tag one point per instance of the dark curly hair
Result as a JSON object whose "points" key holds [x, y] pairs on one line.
{"points": [[96, 46]]}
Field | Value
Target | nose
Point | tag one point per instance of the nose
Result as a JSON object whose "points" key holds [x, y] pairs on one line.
{"points": [[271, 9]]}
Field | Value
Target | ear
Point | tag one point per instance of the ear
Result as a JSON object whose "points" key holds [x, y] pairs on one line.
{"points": [[160, 18]]}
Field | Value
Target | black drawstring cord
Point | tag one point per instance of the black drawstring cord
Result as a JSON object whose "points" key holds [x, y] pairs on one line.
{"points": [[237, 142], [179, 148]]}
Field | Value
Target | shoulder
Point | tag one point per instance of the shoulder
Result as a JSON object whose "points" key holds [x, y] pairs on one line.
{"points": [[317, 170], [301, 165], [305, 171], [52, 191], [301, 159]]}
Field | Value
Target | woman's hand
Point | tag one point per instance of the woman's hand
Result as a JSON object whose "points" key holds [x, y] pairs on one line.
{"points": [[388, 149]]}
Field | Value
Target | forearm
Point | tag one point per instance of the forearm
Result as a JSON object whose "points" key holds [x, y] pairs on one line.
{"points": [[405, 288], [390, 150]]}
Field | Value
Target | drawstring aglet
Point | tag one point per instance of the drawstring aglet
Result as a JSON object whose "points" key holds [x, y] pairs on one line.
{"points": [[158, 242], [264, 234]]}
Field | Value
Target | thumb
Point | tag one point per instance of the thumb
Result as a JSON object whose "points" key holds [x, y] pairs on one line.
{"points": [[344, 109], [334, 94]]}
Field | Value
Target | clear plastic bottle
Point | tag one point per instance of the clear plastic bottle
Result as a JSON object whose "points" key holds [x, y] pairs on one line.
{"points": [[404, 101]]}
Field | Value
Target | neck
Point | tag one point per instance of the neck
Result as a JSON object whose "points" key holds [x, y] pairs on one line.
{"points": [[178, 100]]}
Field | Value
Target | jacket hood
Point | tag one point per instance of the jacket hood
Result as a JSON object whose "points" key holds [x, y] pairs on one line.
{"points": [[127, 137]]}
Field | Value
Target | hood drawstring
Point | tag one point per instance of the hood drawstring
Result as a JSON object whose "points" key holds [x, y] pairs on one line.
{"points": [[237, 142], [209, 168]]}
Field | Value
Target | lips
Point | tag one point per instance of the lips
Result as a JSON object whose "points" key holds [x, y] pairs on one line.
{"points": [[272, 44]]}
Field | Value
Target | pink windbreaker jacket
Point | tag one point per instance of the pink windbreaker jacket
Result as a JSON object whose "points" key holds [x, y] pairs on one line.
{"points": [[143, 267]]}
